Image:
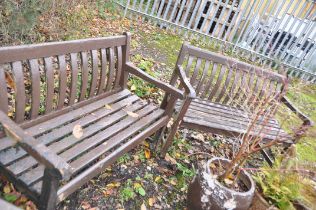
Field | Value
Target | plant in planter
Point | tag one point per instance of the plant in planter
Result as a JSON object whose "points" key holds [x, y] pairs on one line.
{"points": [[221, 183], [285, 185]]}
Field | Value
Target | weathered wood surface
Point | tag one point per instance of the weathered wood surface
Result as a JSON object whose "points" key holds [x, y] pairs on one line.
{"points": [[222, 94], [56, 87]]}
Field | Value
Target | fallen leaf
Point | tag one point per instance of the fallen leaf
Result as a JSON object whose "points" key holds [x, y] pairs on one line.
{"points": [[151, 201], [170, 159], [10, 80], [198, 136], [143, 207], [147, 153], [173, 182], [146, 144], [132, 114], [114, 184], [228, 181], [77, 131], [7, 189], [157, 179], [85, 205], [107, 106], [133, 88]]}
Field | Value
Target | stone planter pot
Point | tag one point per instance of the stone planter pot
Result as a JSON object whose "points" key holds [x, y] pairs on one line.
{"points": [[206, 192], [259, 203]]}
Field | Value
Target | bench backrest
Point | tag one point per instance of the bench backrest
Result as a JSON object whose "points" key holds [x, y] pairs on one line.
{"points": [[224, 80], [42, 78]]}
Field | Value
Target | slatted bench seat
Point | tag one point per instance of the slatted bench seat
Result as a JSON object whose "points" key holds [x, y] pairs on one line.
{"points": [[222, 94], [225, 120], [81, 116]]}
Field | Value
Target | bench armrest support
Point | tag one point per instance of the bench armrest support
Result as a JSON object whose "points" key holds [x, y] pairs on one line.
{"points": [[189, 90], [307, 122], [37, 150], [131, 68]]}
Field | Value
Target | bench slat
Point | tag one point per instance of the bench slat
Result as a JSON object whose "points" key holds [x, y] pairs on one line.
{"points": [[94, 55], [74, 78], [218, 82], [49, 84], [3, 91], [196, 72], [20, 91], [203, 77], [189, 64], [84, 75], [226, 84], [35, 77], [119, 66], [210, 81], [111, 70], [62, 81], [103, 71]]}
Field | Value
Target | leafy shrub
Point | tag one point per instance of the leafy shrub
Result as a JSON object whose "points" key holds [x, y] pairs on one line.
{"points": [[278, 186]]}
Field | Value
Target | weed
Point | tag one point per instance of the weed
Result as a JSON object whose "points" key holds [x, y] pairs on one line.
{"points": [[127, 192], [282, 186], [186, 172], [124, 159]]}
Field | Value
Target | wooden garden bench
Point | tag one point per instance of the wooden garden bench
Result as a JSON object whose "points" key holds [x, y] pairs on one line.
{"points": [[218, 89], [72, 113]]}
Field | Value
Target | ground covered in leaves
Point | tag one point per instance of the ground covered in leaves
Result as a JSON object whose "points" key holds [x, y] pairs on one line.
{"points": [[140, 179]]}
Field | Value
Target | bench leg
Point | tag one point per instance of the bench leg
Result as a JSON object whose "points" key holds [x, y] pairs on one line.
{"points": [[169, 141], [48, 198]]}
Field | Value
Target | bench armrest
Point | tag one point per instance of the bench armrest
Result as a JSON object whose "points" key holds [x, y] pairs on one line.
{"points": [[34, 148], [131, 68], [189, 90], [306, 120]]}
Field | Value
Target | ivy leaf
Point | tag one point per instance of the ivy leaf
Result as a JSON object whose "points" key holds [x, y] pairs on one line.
{"points": [[10, 197], [141, 191]]}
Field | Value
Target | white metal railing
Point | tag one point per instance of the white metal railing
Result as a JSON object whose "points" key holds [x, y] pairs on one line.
{"points": [[272, 31]]}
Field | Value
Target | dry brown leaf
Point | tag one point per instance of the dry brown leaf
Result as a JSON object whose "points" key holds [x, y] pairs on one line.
{"points": [[132, 114], [77, 131], [9, 80], [143, 207], [107, 106], [151, 201]]}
